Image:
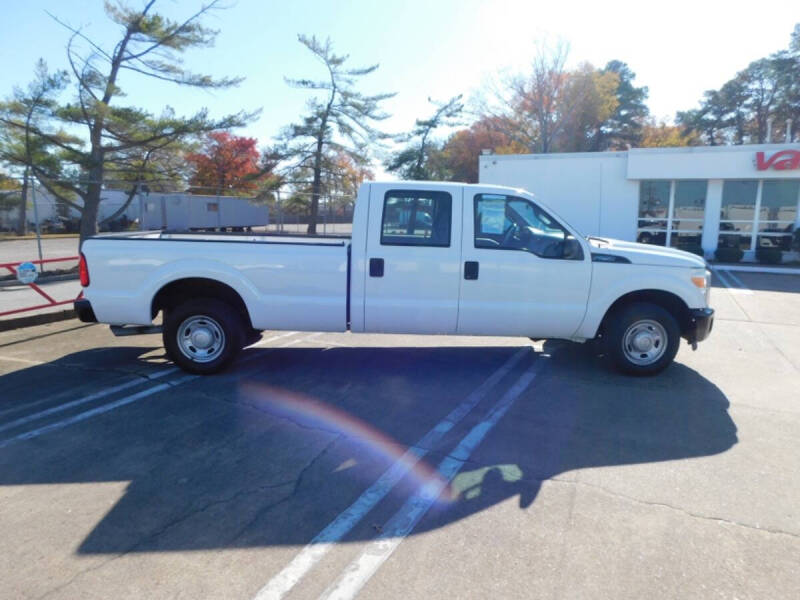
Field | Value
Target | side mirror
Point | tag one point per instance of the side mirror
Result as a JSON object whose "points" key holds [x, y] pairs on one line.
{"points": [[572, 249]]}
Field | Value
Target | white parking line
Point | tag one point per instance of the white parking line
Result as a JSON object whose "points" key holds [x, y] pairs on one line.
{"points": [[110, 390], [360, 570], [741, 291], [302, 339], [271, 339], [322, 543], [22, 360], [85, 399], [97, 411], [106, 407], [17, 408], [738, 281]]}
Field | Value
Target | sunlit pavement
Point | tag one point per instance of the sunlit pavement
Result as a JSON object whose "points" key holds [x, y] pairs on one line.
{"points": [[123, 478], [14, 297], [12, 250]]}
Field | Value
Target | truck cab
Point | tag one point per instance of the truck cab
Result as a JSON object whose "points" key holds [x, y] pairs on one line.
{"points": [[484, 261]]}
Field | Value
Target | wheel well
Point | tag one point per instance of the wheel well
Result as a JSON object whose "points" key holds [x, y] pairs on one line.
{"points": [[666, 300], [180, 290]]}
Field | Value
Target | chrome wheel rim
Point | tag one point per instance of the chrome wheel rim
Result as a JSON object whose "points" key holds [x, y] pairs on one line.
{"points": [[644, 342], [201, 339]]}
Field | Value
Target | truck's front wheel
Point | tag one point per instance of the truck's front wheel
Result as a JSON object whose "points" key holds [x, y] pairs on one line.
{"points": [[642, 338], [203, 335]]}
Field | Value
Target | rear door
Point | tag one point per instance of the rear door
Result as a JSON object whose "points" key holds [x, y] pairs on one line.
{"points": [[413, 258]]}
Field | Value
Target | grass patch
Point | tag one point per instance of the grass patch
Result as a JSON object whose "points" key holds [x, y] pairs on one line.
{"points": [[10, 237]]}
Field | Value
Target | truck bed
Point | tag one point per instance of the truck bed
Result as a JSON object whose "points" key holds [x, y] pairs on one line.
{"points": [[286, 281]]}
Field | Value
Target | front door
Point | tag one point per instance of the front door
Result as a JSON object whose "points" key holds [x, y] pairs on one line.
{"points": [[413, 259], [523, 272]]}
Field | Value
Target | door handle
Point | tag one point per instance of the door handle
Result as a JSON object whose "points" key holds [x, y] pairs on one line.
{"points": [[471, 269], [376, 267]]}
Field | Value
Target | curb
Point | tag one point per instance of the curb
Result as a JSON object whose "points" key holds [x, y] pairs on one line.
{"points": [[766, 270], [32, 320]]}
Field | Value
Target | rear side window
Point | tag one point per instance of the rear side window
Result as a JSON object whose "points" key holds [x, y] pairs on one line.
{"points": [[416, 218]]}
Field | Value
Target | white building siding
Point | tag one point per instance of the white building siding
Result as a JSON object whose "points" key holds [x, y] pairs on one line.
{"points": [[590, 190], [619, 200], [599, 192]]}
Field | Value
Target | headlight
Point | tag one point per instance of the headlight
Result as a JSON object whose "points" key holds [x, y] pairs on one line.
{"points": [[702, 281]]}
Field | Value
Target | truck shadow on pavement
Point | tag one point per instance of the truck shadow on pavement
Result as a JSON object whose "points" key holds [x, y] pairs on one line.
{"points": [[272, 451]]}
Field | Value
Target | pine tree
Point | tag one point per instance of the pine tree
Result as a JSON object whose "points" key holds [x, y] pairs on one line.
{"points": [[340, 121]]}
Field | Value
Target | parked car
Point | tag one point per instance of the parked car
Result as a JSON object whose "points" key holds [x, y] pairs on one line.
{"points": [[487, 260], [659, 238]]}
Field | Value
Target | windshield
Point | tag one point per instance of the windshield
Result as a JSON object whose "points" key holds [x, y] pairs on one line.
{"points": [[552, 219], [525, 214]]}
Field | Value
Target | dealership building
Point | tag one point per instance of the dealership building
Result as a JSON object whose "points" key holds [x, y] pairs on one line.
{"points": [[692, 198]]}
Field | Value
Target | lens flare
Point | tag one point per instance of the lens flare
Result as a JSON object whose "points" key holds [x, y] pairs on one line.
{"points": [[308, 412]]}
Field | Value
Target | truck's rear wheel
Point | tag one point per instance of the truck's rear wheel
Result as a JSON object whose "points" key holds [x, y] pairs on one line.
{"points": [[251, 336], [642, 338], [203, 335]]}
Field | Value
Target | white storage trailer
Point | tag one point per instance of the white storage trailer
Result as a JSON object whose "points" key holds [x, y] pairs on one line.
{"points": [[184, 211]]}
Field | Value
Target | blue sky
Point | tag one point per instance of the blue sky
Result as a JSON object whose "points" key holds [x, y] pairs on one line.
{"points": [[435, 48]]}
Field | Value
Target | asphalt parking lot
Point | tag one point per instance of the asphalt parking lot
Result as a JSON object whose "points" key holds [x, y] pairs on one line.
{"points": [[336, 465]]}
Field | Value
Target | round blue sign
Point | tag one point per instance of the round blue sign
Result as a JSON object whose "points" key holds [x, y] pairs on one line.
{"points": [[27, 273]]}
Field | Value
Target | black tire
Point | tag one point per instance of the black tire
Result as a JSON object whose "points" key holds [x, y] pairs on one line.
{"points": [[222, 324], [252, 336], [641, 316]]}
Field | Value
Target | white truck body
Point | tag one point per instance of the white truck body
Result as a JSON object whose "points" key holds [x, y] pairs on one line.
{"points": [[424, 287]]}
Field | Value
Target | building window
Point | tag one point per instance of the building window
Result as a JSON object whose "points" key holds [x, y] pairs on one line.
{"points": [[739, 197], [412, 218], [758, 213], [777, 213], [671, 213]]}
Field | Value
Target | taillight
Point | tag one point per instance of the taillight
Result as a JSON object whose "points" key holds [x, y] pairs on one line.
{"points": [[83, 271]]}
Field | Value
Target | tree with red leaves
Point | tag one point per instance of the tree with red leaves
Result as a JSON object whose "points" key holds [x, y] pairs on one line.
{"points": [[227, 165], [458, 159]]}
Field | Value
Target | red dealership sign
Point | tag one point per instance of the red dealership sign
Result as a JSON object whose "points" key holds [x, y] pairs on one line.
{"points": [[784, 160]]}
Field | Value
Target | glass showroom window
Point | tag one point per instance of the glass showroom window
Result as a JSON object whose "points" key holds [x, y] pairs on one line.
{"points": [[671, 212], [777, 213], [758, 213], [739, 198]]}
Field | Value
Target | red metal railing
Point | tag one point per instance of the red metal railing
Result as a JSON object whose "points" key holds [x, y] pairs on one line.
{"points": [[11, 267]]}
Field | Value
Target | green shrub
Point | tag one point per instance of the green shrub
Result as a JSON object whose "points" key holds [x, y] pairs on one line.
{"points": [[769, 256], [693, 248], [728, 254]]}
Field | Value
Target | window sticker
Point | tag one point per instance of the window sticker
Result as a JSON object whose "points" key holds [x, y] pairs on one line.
{"points": [[493, 215]]}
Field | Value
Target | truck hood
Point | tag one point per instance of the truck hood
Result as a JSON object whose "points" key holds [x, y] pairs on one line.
{"points": [[646, 254]]}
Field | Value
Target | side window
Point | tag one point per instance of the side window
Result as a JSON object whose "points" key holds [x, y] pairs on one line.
{"points": [[510, 223], [416, 218]]}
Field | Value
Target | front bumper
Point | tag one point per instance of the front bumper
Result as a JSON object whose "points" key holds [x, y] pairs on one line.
{"points": [[84, 310], [700, 324]]}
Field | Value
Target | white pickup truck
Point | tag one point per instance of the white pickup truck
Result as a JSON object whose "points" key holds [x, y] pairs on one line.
{"points": [[424, 258]]}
